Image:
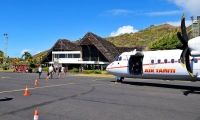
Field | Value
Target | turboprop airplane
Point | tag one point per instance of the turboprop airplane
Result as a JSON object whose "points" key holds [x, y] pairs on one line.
{"points": [[182, 63]]}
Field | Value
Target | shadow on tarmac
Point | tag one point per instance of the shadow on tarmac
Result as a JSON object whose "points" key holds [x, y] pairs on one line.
{"points": [[6, 99], [187, 89]]}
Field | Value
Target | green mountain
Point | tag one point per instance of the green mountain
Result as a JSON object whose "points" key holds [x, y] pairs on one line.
{"points": [[154, 37]]}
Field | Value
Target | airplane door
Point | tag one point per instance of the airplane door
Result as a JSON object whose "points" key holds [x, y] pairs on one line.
{"points": [[195, 66], [152, 62]]}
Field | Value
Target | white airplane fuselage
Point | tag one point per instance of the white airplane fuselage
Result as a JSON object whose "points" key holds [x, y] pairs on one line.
{"points": [[162, 64]]}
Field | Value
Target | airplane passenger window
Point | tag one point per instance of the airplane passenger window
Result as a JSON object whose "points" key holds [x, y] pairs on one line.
{"points": [[179, 60], [172, 60], [195, 60], [152, 61], [159, 60], [165, 60]]}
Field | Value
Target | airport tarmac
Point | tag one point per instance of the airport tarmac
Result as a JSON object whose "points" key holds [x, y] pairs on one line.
{"points": [[77, 97]]}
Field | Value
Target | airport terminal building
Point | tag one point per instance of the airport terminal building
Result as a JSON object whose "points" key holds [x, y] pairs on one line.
{"points": [[92, 52]]}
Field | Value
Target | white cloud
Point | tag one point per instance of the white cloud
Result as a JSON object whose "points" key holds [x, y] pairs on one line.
{"points": [[124, 29], [38, 51], [165, 13], [191, 6], [116, 12], [25, 50], [178, 23]]}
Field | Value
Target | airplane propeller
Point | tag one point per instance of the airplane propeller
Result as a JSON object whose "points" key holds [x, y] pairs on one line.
{"points": [[184, 38]]}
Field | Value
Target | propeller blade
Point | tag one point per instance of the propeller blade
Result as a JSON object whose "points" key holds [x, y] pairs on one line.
{"points": [[189, 33], [179, 46], [183, 28], [181, 38], [183, 56], [187, 60]]}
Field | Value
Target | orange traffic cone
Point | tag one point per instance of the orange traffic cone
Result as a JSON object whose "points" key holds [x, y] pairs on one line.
{"points": [[26, 93], [47, 78], [36, 117], [36, 82]]}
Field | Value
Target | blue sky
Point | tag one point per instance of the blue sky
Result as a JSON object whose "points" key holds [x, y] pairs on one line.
{"points": [[35, 25]]}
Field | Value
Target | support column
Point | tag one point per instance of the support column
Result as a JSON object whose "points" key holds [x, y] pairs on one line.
{"points": [[101, 67]]}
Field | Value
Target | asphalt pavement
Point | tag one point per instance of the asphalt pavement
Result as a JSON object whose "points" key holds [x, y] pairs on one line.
{"points": [[76, 97]]}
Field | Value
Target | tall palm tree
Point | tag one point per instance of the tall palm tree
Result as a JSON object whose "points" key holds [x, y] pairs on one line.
{"points": [[27, 56]]}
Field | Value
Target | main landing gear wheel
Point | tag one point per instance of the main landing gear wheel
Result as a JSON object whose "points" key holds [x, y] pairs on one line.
{"points": [[119, 79]]}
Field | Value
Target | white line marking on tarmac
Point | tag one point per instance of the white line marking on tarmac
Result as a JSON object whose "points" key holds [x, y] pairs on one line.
{"points": [[16, 78], [34, 88], [5, 77]]}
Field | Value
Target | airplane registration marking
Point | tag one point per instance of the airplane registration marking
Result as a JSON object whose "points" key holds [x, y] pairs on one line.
{"points": [[160, 70]]}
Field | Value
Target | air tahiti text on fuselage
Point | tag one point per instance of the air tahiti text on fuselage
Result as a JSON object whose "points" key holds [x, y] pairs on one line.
{"points": [[160, 70]]}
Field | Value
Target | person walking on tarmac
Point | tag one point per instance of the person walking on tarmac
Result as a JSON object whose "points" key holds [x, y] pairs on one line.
{"points": [[51, 72], [59, 71], [40, 71]]}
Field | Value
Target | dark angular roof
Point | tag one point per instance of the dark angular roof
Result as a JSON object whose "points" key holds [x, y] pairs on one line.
{"points": [[108, 49], [62, 45], [65, 45]]}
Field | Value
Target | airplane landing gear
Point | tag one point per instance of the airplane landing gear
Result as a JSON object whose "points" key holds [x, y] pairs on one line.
{"points": [[119, 79]]}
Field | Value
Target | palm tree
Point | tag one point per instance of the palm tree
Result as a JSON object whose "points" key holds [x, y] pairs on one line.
{"points": [[27, 56]]}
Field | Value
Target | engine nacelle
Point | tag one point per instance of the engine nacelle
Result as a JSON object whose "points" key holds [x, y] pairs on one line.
{"points": [[194, 46], [195, 53]]}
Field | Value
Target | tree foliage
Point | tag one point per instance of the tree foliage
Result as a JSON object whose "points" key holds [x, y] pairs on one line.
{"points": [[166, 42], [27, 56], [1, 56]]}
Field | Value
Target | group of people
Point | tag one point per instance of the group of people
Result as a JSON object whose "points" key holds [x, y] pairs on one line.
{"points": [[56, 70], [81, 69], [53, 70]]}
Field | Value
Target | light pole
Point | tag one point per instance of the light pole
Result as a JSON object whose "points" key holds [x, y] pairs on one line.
{"points": [[5, 48], [192, 18]]}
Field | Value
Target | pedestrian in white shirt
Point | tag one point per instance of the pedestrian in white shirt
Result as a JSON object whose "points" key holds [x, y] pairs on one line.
{"points": [[62, 70], [40, 71], [51, 72]]}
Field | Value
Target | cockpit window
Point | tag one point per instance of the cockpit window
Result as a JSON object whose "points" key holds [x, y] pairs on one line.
{"points": [[120, 58], [117, 59]]}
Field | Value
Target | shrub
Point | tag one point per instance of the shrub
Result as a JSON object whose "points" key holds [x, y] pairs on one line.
{"points": [[32, 65], [96, 71], [92, 72], [5, 67], [74, 70], [45, 69], [104, 72], [87, 71]]}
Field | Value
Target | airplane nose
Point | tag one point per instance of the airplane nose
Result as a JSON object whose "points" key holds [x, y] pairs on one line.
{"points": [[107, 68]]}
